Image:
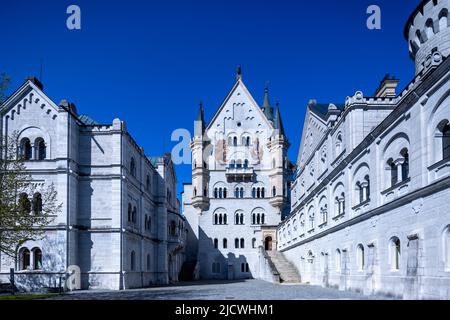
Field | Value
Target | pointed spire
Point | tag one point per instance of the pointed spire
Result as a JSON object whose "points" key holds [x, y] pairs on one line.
{"points": [[200, 122], [239, 73], [278, 123], [266, 107]]}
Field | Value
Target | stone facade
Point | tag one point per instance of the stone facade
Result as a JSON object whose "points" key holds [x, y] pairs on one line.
{"points": [[117, 204], [371, 195], [239, 189]]}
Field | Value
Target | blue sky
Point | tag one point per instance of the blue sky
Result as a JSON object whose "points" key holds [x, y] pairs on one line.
{"points": [[150, 62]]}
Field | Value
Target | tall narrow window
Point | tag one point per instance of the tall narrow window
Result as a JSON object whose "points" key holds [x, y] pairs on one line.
{"points": [[130, 210], [274, 191], [37, 203], [262, 192], [247, 141], [216, 243], [132, 260], [133, 167], [338, 260], [148, 262], [242, 243], [225, 243], [236, 243], [25, 149], [405, 165], [262, 218], [24, 204], [241, 193], [360, 257], [215, 193], [41, 149], [37, 253], [235, 141], [25, 259], [253, 243], [393, 170], [446, 142], [395, 252]]}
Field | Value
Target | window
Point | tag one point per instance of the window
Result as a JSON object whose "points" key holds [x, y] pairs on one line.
{"points": [[216, 193], [37, 255], [236, 243], [24, 259], [444, 135], [446, 247], [147, 183], [216, 243], [262, 218], [41, 149], [429, 25], [247, 141], [245, 164], [360, 257], [242, 243], [133, 167], [253, 243], [235, 141], [24, 204], [324, 213], [241, 193], [134, 215], [132, 260], [173, 228], [130, 210], [225, 243], [405, 164], [395, 253], [253, 193], [37, 203], [216, 267], [262, 192], [274, 191], [338, 260], [25, 149], [148, 262], [394, 172]]}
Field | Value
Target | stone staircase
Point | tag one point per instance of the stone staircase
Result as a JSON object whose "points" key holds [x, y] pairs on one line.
{"points": [[288, 272]]}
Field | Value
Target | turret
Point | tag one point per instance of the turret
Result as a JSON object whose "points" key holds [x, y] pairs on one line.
{"points": [[278, 146], [200, 197], [428, 33]]}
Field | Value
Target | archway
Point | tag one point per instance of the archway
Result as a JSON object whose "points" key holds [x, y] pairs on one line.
{"points": [[268, 243]]}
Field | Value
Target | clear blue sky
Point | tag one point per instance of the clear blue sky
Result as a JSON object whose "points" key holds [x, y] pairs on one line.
{"points": [[150, 62]]}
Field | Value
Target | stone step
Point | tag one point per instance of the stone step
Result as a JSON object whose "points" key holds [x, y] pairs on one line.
{"points": [[288, 273]]}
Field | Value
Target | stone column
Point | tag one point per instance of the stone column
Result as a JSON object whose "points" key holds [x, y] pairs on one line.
{"points": [[399, 162], [364, 186]]}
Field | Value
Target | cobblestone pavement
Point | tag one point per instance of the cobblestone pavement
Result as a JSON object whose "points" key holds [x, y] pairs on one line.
{"points": [[219, 290]]}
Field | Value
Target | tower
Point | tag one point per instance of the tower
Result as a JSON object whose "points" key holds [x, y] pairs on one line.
{"points": [[200, 174], [428, 33]]}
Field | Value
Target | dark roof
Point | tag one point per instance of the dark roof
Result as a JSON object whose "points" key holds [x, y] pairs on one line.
{"points": [[87, 120], [278, 123], [321, 109]]}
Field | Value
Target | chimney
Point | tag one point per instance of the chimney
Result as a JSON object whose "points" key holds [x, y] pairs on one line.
{"points": [[36, 82], [387, 87]]}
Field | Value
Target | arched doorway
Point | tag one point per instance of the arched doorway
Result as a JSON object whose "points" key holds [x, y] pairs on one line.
{"points": [[268, 243]]}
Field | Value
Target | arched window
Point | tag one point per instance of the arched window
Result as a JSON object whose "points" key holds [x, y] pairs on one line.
{"points": [[24, 204], [225, 243], [37, 253], [220, 218], [147, 183], [37, 203], [236, 243], [134, 215], [262, 192], [253, 218], [394, 172], [216, 243], [241, 193], [338, 144], [242, 243], [216, 219], [274, 191], [245, 164], [242, 267], [236, 218], [258, 193], [253, 243], [233, 164], [247, 141], [132, 260], [241, 218], [148, 262], [225, 219], [25, 259], [338, 260], [235, 141], [253, 193], [25, 149], [262, 218], [224, 193], [133, 167], [41, 149], [220, 193], [216, 193], [130, 210], [444, 132], [405, 164], [258, 219], [360, 257], [395, 253], [446, 247], [236, 192]]}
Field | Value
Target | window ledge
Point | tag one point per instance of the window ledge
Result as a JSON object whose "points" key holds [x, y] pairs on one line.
{"points": [[323, 224], [339, 216], [440, 164], [396, 186], [362, 204]]}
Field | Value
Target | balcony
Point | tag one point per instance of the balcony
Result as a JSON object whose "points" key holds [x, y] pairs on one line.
{"points": [[239, 174]]}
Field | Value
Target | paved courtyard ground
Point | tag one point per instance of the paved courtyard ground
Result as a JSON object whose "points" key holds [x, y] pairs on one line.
{"points": [[219, 290]]}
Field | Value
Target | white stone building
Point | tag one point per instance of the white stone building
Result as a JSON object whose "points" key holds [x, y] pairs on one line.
{"points": [[120, 221], [239, 190], [370, 202]]}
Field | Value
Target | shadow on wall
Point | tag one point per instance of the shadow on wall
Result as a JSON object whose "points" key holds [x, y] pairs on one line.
{"points": [[217, 263]]}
